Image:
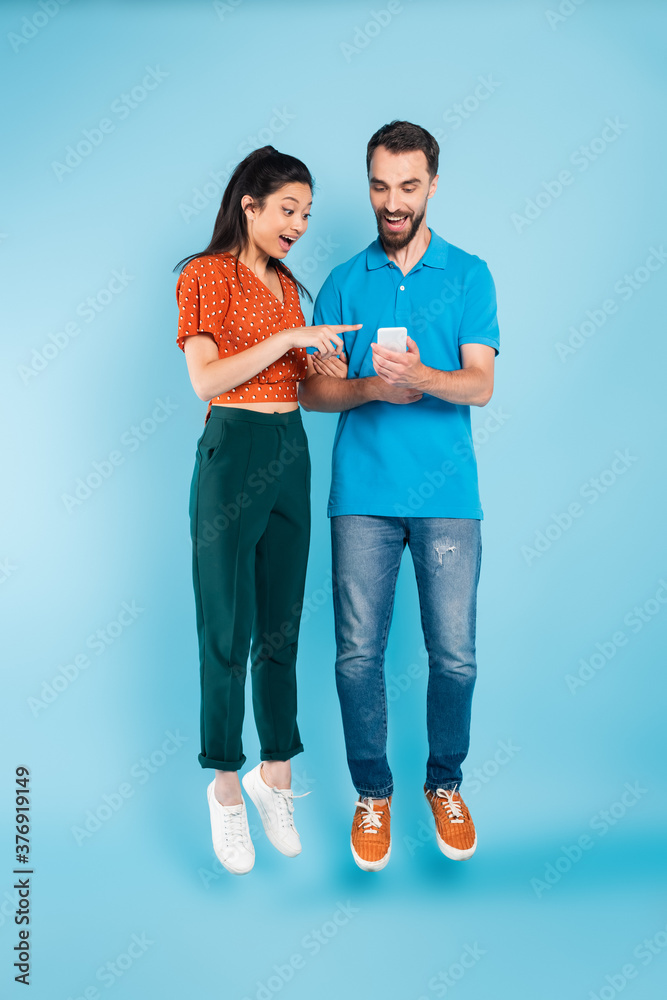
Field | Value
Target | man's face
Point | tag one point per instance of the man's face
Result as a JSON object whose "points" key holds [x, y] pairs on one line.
{"points": [[399, 188]]}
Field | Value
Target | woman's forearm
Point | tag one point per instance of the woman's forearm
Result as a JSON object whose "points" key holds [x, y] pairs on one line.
{"points": [[219, 376]]}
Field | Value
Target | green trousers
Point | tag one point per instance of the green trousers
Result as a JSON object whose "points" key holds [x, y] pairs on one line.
{"points": [[250, 529]]}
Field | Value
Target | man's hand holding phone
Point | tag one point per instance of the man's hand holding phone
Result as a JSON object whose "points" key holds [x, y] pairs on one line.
{"points": [[399, 368], [393, 345]]}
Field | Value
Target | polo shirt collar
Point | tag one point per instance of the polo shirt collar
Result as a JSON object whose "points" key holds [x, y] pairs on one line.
{"points": [[435, 255]]}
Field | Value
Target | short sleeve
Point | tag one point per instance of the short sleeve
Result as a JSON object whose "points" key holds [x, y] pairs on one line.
{"points": [[203, 297], [479, 322], [327, 308]]}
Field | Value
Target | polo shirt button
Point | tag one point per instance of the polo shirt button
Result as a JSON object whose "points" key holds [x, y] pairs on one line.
{"points": [[402, 288]]}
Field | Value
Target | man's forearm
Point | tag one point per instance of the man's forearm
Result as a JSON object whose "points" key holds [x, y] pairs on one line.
{"points": [[328, 394], [468, 386]]}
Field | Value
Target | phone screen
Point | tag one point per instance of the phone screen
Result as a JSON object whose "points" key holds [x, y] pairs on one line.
{"points": [[393, 337]]}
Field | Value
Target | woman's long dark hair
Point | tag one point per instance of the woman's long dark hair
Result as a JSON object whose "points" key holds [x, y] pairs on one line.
{"points": [[262, 173]]}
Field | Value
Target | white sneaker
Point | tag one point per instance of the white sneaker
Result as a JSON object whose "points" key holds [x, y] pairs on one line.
{"points": [[231, 836], [275, 807]]}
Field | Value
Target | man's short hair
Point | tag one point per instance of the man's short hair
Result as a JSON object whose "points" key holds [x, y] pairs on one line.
{"points": [[404, 137]]}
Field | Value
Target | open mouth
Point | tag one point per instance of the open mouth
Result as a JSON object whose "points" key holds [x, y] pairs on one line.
{"points": [[286, 242], [396, 222]]}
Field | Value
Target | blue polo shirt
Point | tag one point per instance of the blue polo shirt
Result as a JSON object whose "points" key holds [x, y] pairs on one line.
{"points": [[408, 459]]}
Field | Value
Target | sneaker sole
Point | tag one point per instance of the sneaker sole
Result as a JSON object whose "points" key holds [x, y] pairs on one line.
{"points": [[370, 866], [455, 853], [234, 871], [225, 864], [263, 815]]}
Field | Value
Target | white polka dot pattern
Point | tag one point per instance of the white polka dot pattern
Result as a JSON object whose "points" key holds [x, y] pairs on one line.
{"points": [[211, 299]]}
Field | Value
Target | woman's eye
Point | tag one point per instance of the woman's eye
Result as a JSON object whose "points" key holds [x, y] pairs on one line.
{"points": [[288, 211], [307, 215]]}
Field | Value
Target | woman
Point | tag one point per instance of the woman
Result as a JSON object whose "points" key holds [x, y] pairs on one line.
{"points": [[244, 337]]}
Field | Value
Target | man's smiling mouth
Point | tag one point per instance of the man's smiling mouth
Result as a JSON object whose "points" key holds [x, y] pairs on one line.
{"points": [[395, 222]]}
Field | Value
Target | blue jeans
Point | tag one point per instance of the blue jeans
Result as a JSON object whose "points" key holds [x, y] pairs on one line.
{"points": [[366, 555]]}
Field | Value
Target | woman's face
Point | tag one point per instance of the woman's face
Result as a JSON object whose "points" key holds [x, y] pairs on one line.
{"points": [[276, 227]]}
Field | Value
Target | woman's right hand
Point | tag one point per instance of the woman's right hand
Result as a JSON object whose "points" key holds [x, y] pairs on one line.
{"points": [[320, 337]]}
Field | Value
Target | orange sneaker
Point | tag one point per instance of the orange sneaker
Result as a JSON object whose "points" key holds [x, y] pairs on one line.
{"points": [[454, 829], [371, 834]]}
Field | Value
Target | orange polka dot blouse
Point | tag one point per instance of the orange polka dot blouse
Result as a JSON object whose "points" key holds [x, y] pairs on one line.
{"points": [[240, 313]]}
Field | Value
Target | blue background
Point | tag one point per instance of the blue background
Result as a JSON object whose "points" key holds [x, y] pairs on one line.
{"points": [[141, 199]]}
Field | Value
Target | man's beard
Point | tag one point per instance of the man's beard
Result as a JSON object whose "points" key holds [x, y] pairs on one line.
{"points": [[396, 241]]}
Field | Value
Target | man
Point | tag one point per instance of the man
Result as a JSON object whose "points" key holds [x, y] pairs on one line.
{"points": [[404, 472]]}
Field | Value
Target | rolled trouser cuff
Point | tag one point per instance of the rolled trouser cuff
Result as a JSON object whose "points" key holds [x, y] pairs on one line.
{"points": [[222, 765], [281, 754], [375, 793]]}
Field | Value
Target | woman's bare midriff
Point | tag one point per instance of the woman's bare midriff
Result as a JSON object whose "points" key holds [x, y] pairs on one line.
{"points": [[277, 407]]}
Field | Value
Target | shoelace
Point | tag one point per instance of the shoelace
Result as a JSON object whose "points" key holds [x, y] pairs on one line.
{"points": [[285, 805], [453, 808], [370, 820], [234, 827]]}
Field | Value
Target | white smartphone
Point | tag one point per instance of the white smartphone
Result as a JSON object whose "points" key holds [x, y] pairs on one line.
{"points": [[393, 337]]}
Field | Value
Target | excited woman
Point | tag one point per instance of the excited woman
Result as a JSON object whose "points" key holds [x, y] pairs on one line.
{"points": [[244, 337]]}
